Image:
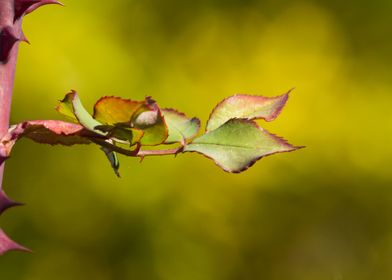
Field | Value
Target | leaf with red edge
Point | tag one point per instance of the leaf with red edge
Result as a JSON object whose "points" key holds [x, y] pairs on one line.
{"points": [[249, 107], [116, 114], [180, 127], [151, 121], [238, 144], [46, 132], [113, 110], [143, 118], [6, 244]]}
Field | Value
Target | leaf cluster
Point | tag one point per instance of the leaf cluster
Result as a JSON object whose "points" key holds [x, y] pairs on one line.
{"points": [[232, 138]]}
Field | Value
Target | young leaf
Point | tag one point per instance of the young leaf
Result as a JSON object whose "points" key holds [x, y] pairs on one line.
{"points": [[71, 105], [238, 144], [113, 110], [242, 106], [143, 118], [65, 107], [180, 127]]}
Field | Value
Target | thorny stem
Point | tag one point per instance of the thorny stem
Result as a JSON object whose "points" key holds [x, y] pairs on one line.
{"points": [[10, 31], [11, 34]]}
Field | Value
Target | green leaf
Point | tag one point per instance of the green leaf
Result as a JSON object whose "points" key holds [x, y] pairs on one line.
{"points": [[65, 107], [72, 103], [238, 144], [180, 127], [242, 106]]}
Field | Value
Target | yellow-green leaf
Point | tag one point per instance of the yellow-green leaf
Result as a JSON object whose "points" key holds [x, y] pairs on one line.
{"points": [[112, 110], [180, 127]]}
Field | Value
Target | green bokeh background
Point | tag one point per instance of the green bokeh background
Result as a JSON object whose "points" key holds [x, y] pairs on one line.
{"points": [[324, 212]]}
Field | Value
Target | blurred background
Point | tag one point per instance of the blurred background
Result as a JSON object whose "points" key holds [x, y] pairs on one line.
{"points": [[324, 212]]}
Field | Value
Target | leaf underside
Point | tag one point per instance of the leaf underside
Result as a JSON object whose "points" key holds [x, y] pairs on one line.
{"points": [[249, 107]]}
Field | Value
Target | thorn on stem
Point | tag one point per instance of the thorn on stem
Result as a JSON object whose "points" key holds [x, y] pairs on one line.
{"points": [[24, 7], [6, 202], [7, 42], [7, 244]]}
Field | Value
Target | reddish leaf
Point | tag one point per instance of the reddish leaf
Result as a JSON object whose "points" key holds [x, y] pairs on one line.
{"points": [[243, 106], [46, 132]]}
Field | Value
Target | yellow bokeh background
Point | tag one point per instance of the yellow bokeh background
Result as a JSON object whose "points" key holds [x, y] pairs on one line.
{"points": [[324, 212]]}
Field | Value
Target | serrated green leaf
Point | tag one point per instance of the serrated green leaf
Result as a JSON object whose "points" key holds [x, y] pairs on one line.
{"points": [[243, 106], [180, 127], [238, 144]]}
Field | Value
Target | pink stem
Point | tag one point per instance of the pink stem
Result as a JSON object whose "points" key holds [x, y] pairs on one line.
{"points": [[137, 152], [9, 41], [146, 153]]}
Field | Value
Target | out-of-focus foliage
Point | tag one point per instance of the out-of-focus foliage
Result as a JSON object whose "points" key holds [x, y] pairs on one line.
{"points": [[321, 213]]}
